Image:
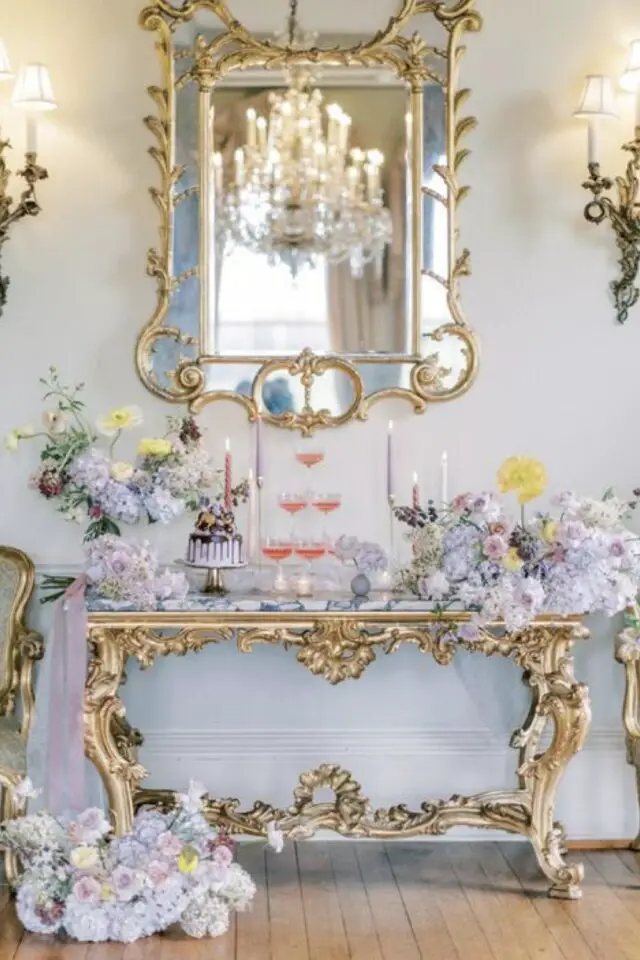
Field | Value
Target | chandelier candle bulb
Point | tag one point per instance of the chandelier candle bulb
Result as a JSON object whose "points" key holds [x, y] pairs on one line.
{"points": [[251, 127], [239, 159], [261, 125], [217, 173]]}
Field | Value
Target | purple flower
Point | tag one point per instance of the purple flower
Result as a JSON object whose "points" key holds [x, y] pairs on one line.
{"points": [[126, 882]]}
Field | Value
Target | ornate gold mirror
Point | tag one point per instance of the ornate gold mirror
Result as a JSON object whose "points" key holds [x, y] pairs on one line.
{"points": [[309, 261]]}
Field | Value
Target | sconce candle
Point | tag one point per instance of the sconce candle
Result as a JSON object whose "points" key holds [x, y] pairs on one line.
{"points": [[598, 103]]}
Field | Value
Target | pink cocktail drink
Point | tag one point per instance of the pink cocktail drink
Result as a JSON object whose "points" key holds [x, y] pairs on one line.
{"points": [[311, 551], [309, 458]]}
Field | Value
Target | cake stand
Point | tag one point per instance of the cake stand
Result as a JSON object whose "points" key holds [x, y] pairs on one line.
{"points": [[214, 584]]}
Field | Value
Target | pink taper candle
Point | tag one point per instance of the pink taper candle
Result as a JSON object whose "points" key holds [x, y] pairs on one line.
{"points": [[227, 475]]}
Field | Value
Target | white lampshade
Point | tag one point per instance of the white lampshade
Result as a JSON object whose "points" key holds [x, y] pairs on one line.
{"points": [[33, 90], [630, 79], [598, 99], [6, 73]]}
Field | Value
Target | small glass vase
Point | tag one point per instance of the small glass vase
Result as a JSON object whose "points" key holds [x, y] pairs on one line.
{"points": [[360, 586]]}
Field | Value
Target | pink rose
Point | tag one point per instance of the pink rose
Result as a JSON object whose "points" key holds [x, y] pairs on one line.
{"points": [[87, 889], [169, 845], [158, 871], [125, 883], [223, 857], [495, 547], [461, 503]]}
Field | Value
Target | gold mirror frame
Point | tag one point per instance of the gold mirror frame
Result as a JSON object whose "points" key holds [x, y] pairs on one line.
{"points": [[235, 48]]}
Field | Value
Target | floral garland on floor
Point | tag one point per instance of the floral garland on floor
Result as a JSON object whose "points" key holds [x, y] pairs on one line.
{"points": [[171, 868], [169, 476], [580, 559]]}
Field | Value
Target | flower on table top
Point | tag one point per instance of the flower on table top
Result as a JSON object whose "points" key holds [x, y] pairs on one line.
{"points": [[25, 790], [191, 801], [368, 557], [84, 858], [495, 547], [120, 418], [434, 587], [189, 860], [93, 824], [87, 889], [154, 447], [511, 560], [126, 882], [523, 475], [121, 471]]}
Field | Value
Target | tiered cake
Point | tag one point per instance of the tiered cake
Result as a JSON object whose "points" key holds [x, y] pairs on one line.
{"points": [[215, 542]]}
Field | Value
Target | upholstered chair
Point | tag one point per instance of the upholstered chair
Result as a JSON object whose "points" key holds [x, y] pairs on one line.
{"points": [[19, 649]]}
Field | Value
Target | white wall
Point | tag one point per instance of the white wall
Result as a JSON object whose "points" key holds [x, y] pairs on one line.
{"points": [[557, 380]]}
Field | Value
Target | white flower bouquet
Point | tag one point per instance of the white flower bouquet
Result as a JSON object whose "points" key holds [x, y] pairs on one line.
{"points": [[171, 868]]}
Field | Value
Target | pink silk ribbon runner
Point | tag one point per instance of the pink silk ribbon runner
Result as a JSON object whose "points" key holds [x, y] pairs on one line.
{"points": [[65, 761]]}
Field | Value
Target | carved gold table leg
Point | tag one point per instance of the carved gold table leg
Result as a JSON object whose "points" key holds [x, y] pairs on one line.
{"points": [[628, 654], [110, 742], [559, 699]]}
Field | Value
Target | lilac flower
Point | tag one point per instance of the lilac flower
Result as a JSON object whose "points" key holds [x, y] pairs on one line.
{"points": [[91, 470], [126, 882], [87, 889], [435, 587], [121, 501], [163, 507]]}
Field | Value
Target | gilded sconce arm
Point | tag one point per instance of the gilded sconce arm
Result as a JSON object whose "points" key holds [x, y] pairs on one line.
{"points": [[11, 212], [624, 217]]}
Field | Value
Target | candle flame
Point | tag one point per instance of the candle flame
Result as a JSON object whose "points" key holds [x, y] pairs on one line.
{"points": [[227, 445], [415, 477], [390, 426]]}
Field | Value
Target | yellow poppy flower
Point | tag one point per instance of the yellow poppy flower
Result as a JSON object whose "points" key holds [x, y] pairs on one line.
{"points": [[549, 530], [188, 860], [11, 441], [83, 858], [525, 476], [511, 561], [120, 418], [154, 447], [121, 471]]}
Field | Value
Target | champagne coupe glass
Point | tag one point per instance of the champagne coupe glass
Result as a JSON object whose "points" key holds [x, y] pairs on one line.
{"points": [[293, 503], [326, 503], [309, 456], [277, 549], [310, 550]]}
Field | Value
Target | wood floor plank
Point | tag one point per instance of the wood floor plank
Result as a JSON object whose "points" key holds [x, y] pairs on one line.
{"points": [[287, 929], [393, 926], [354, 903], [579, 937], [528, 924], [326, 934], [420, 874], [252, 927], [500, 933], [11, 932]]}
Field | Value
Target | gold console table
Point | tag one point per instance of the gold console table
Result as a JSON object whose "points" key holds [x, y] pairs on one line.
{"points": [[628, 654], [338, 640]]}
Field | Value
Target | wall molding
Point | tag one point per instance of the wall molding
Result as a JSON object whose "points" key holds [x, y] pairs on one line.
{"points": [[285, 744]]}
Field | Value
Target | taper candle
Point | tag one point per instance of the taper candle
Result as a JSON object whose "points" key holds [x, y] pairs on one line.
{"points": [[259, 451], [390, 473], [227, 475], [444, 478], [415, 492], [254, 544]]}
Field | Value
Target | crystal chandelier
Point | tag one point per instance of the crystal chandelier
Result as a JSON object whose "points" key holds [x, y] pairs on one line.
{"points": [[299, 194]]}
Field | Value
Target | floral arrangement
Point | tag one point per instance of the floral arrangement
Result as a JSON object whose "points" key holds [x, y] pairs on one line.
{"points": [[120, 570], [579, 559], [367, 557], [171, 868], [169, 475]]}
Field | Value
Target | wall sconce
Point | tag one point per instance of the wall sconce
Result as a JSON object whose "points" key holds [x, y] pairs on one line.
{"points": [[33, 93], [598, 104]]}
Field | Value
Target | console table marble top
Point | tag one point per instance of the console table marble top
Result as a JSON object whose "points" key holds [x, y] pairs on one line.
{"points": [[270, 603]]}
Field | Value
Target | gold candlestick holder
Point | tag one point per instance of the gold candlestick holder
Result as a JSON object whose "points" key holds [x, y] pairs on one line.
{"points": [[11, 212], [214, 584], [624, 217]]}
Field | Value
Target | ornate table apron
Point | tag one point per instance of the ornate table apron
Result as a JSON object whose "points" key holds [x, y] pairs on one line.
{"points": [[339, 646]]}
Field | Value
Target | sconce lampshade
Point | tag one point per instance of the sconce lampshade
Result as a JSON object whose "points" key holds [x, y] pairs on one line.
{"points": [[6, 73], [33, 90], [630, 79], [598, 99]]}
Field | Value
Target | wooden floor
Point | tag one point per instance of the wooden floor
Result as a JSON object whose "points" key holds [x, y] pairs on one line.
{"points": [[399, 901]]}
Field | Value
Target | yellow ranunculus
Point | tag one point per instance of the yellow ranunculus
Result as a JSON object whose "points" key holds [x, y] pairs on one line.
{"points": [[84, 858], [154, 447], [121, 472], [188, 860], [107, 893], [525, 476], [11, 441], [549, 530], [511, 560], [120, 418]]}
